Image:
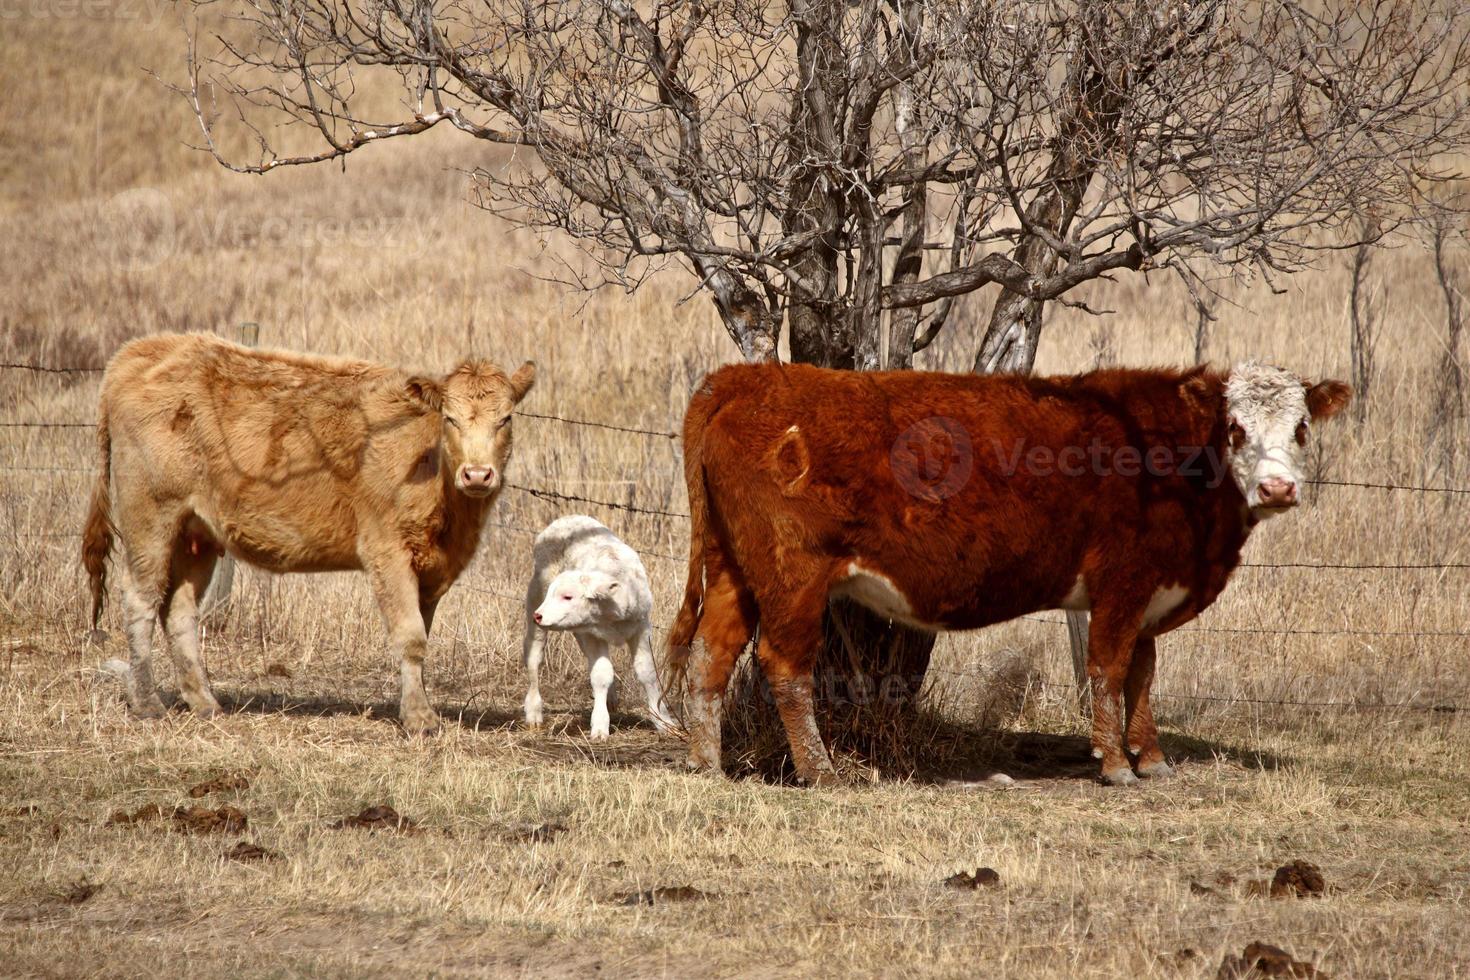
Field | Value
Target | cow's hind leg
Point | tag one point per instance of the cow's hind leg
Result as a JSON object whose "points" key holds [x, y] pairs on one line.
{"points": [[148, 541], [1142, 735], [193, 561], [396, 588], [791, 633], [1110, 641], [725, 627]]}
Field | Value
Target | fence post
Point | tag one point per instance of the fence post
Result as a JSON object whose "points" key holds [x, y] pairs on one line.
{"points": [[1077, 635], [217, 596]]}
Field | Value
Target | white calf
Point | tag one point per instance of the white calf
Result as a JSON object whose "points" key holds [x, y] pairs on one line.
{"points": [[592, 585]]}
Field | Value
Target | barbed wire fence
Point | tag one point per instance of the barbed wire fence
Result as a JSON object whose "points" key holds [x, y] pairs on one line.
{"points": [[670, 438]]}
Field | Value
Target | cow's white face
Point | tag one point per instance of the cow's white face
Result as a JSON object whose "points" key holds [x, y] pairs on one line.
{"points": [[1269, 414], [576, 599]]}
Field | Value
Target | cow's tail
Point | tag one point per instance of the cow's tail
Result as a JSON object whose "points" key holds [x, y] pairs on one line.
{"points": [[97, 536], [696, 421]]}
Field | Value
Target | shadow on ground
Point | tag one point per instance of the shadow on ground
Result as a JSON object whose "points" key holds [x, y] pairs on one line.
{"points": [[955, 753]]}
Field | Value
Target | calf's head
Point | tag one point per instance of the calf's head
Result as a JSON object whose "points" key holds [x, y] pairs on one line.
{"points": [[475, 402], [1269, 416], [576, 599]]}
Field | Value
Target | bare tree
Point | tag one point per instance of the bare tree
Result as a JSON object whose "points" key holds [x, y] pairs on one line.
{"points": [[846, 169], [1448, 412], [843, 170], [1366, 301]]}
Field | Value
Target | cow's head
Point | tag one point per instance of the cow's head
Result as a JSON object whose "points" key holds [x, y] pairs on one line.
{"points": [[1269, 414], [576, 599], [475, 401]]}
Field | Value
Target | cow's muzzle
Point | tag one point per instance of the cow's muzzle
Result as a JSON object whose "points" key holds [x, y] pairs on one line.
{"points": [[478, 481], [1276, 493]]}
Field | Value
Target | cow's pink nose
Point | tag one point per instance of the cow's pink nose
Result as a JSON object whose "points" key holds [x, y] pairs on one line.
{"points": [[477, 476], [1277, 492], [536, 617]]}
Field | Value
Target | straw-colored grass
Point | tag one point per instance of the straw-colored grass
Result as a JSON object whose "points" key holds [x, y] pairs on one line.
{"points": [[110, 229]]}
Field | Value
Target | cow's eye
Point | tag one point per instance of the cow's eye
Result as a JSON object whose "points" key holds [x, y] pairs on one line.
{"points": [[1301, 433], [503, 422], [1237, 435], [453, 422], [566, 598]]}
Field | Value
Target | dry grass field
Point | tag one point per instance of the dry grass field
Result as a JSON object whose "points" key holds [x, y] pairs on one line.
{"points": [[526, 846]]}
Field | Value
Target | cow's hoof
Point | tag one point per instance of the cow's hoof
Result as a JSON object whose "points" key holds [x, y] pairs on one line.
{"points": [[821, 779], [421, 723], [150, 710], [1156, 770], [1120, 777], [203, 707], [599, 736]]}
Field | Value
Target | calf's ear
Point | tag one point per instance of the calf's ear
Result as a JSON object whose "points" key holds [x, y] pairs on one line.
{"points": [[426, 391], [1326, 398], [522, 380], [604, 587]]}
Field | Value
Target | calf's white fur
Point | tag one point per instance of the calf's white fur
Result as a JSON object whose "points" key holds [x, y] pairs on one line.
{"points": [[590, 584]]}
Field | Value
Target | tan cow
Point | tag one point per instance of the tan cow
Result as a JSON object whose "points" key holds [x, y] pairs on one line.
{"points": [[293, 463]]}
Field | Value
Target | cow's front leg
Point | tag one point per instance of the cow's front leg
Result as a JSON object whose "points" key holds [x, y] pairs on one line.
{"points": [[1142, 735], [397, 590], [1110, 642]]}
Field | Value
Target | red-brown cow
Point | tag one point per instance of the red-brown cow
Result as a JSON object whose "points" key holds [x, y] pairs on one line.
{"points": [[958, 501]]}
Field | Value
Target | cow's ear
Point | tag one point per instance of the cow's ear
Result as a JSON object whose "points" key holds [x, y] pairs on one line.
{"points": [[522, 380], [605, 587], [1326, 398], [1199, 385], [426, 391]]}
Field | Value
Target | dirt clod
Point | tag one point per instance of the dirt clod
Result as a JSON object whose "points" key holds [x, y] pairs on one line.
{"points": [[219, 784], [78, 892], [1264, 960], [1298, 879], [539, 834], [277, 669], [246, 851], [381, 817], [982, 878], [663, 895], [203, 820], [1198, 888], [148, 811]]}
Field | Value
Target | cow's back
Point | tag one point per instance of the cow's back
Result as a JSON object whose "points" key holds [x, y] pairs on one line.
{"points": [[283, 455], [921, 478]]}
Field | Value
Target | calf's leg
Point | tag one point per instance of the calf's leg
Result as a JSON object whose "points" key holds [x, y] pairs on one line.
{"points": [[193, 564], [1110, 641], [1142, 735], [643, 668], [533, 644], [725, 627], [600, 674], [397, 590]]}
